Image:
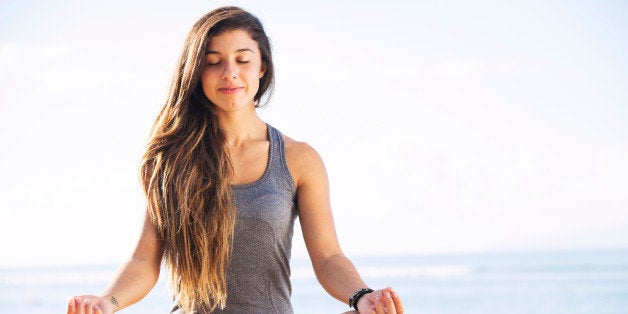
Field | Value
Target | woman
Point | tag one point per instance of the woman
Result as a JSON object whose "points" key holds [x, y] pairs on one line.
{"points": [[224, 189]]}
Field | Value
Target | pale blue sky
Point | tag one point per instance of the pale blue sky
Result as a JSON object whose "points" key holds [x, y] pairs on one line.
{"points": [[446, 126]]}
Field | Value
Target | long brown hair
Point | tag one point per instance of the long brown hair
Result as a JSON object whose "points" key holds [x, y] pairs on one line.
{"points": [[186, 170]]}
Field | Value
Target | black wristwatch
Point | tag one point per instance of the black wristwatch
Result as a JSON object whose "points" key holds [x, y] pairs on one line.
{"points": [[353, 300]]}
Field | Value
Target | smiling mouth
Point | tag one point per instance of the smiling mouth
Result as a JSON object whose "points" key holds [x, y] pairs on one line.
{"points": [[230, 89]]}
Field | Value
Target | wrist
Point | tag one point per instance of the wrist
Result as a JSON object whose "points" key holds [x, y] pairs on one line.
{"points": [[364, 304], [357, 296], [111, 302]]}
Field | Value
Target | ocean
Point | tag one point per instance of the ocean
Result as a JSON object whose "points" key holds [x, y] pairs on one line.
{"points": [[592, 281]]}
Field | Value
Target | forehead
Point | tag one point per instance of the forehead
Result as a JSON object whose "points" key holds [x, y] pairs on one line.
{"points": [[232, 41]]}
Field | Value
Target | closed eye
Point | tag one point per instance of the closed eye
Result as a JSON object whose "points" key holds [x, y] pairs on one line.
{"points": [[217, 63]]}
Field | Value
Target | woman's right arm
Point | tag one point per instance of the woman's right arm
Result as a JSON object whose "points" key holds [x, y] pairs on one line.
{"points": [[133, 280]]}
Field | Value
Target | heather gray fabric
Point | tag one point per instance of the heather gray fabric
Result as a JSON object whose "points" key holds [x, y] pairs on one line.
{"points": [[258, 277]]}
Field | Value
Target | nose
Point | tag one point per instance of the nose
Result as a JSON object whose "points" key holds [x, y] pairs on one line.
{"points": [[231, 70]]}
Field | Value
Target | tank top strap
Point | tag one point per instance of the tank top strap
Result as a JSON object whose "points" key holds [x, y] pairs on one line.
{"points": [[278, 164]]}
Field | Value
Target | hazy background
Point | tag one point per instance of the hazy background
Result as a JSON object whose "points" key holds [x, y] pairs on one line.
{"points": [[446, 126]]}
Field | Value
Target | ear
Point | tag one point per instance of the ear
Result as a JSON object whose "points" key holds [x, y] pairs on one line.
{"points": [[262, 71]]}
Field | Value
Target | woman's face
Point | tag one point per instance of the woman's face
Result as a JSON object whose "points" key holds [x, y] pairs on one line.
{"points": [[233, 68]]}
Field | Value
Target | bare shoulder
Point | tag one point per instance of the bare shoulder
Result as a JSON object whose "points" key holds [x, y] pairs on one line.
{"points": [[302, 160], [299, 151]]}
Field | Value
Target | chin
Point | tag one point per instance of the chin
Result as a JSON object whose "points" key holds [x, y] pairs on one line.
{"points": [[234, 106]]}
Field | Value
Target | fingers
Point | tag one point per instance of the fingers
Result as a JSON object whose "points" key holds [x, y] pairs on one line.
{"points": [[377, 304], [385, 301], [396, 300], [389, 303], [71, 307], [88, 307], [79, 305], [84, 305], [97, 309]]}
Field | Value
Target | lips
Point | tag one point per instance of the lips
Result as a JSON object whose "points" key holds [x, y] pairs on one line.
{"points": [[230, 89]]}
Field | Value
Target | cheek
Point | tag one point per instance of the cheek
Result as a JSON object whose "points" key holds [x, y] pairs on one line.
{"points": [[207, 78], [254, 77], [207, 84], [255, 83]]}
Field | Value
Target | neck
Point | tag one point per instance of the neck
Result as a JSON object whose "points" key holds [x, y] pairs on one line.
{"points": [[241, 126]]}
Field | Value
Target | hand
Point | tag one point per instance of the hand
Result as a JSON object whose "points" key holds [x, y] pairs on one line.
{"points": [[89, 304], [380, 302]]}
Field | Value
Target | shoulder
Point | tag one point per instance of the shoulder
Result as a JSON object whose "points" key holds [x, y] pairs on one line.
{"points": [[303, 160], [300, 151]]}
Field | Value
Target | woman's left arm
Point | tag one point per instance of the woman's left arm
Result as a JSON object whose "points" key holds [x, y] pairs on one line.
{"points": [[333, 269]]}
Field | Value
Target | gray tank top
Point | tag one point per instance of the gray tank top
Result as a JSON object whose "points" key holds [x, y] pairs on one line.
{"points": [[258, 277]]}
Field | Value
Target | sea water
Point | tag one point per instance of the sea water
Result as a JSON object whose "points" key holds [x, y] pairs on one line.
{"points": [[506, 282]]}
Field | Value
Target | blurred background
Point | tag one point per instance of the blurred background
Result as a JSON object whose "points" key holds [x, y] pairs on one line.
{"points": [[477, 151]]}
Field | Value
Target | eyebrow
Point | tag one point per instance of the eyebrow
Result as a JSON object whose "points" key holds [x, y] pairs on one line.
{"points": [[237, 51]]}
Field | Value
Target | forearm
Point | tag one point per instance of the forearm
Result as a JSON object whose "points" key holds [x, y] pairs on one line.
{"points": [[132, 282], [339, 277]]}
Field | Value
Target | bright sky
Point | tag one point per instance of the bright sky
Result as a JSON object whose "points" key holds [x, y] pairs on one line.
{"points": [[445, 126]]}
